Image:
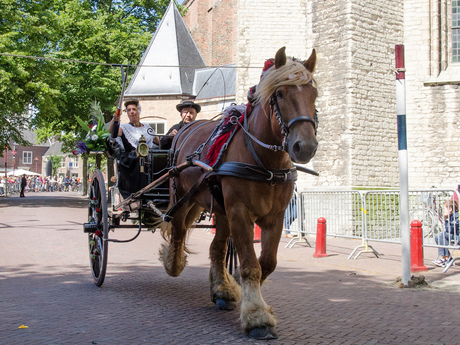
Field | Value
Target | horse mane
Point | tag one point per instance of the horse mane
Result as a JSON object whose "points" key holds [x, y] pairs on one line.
{"points": [[292, 73]]}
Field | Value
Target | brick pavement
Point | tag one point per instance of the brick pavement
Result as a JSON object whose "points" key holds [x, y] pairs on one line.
{"points": [[46, 284]]}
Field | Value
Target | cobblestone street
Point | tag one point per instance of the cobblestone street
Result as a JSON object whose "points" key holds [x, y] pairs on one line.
{"points": [[46, 285]]}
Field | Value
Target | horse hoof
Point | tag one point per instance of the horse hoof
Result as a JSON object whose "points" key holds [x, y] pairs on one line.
{"points": [[263, 333], [222, 304]]}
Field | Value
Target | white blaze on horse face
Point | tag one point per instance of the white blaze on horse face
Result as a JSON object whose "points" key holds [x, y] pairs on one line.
{"points": [[301, 140]]}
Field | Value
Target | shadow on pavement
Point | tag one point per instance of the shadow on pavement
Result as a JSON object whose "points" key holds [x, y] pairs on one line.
{"points": [[45, 199], [140, 303]]}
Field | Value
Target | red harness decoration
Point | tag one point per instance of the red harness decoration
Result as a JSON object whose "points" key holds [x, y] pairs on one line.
{"points": [[226, 128]]}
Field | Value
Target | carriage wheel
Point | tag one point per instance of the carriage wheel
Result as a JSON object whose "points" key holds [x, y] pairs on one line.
{"points": [[97, 214], [231, 260]]}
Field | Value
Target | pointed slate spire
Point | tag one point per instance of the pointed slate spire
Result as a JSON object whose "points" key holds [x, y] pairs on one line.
{"points": [[171, 45]]}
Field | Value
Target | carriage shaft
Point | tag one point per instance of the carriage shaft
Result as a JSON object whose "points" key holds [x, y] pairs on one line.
{"points": [[177, 169]]}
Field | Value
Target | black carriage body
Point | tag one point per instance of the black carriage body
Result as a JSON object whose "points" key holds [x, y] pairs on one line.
{"points": [[148, 169], [157, 166]]}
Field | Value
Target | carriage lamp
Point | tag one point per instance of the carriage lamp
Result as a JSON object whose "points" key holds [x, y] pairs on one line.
{"points": [[142, 152], [142, 148]]}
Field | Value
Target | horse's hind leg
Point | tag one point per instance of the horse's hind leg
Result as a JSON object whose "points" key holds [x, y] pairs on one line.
{"points": [[225, 292], [173, 254]]}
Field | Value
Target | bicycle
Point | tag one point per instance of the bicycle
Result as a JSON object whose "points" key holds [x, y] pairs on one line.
{"points": [[430, 214]]}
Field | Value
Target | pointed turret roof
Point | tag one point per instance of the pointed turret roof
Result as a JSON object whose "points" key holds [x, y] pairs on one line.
{"points": [[171, 45]]}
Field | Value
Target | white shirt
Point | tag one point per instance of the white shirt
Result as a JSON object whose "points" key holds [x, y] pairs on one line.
{"points": [[133, 134]]}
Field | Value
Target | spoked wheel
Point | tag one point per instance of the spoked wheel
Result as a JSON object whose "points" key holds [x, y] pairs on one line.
{"points": [[98, 221], [231, 260]]}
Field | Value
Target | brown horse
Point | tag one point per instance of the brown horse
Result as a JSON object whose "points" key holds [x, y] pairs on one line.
{"points": [[253, 183]]}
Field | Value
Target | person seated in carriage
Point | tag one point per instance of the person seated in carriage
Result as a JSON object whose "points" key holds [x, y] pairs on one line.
{"points": [[131, 179], [188, 112]]}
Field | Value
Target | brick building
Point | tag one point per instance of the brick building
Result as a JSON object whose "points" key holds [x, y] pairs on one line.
{"points": [[25, 157], [355, 41], [173, 69]]}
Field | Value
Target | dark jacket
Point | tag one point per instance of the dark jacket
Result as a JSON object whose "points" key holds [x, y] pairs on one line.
{"points": [[166, 140]]}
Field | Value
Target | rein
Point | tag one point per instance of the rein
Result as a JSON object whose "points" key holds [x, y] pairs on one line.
{"points": [[234, 120]]}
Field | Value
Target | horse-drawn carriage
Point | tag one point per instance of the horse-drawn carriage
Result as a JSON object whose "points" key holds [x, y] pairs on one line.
{"points": [[109, 210], [241, 170]]}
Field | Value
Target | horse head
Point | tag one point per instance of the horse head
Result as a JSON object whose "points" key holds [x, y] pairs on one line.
{"points": [[289, 87]]}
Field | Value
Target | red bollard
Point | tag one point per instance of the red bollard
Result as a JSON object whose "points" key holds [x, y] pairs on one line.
{"points": [[416, 247], [257, 233], [213, 227], [320, 249]]}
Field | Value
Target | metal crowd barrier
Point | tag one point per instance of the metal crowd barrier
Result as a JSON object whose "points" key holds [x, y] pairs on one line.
{"points": [[294, 212], [373, 215]]}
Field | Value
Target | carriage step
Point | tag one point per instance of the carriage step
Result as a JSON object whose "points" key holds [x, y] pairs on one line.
{"points": [[90, 228]]}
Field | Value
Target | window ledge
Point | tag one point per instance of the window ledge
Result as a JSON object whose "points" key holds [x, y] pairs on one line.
{"points": [[447, 77]]}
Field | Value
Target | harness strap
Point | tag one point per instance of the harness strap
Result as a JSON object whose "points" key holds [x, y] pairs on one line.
{"points": [[285, 128], [170, 214], [173, 152], [233, 120], [270, 147], [236, 169], [255, 173], [251, 148]]}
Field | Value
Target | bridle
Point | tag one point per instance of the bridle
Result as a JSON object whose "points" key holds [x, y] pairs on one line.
{"points": [[285, 128]]}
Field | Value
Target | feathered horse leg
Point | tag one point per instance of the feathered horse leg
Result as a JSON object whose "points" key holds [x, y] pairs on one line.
{"points": [[225, 291], [257, 318], [173, 253]]}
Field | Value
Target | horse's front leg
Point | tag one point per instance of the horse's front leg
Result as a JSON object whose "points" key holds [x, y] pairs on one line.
{"points": [[225, 292], [271, 234], [257, 319]]}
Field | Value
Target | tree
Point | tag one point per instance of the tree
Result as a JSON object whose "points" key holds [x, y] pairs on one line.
{"points": [[23, 82], [55, 163], [103, 32]]}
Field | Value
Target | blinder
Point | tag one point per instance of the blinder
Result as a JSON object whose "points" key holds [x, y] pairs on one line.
{"points": [[285, 128]]}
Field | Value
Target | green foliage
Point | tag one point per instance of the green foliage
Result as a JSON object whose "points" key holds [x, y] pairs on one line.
{"points": [[96, 135], [55, 163], [99, 31], [93, 166]]}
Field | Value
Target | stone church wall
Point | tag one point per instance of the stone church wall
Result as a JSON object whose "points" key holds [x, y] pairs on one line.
{"points": [[356, 103], [355, 41], [432, 96]]}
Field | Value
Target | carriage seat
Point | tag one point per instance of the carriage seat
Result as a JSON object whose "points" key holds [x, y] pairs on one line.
{"points": [[131, 179]]}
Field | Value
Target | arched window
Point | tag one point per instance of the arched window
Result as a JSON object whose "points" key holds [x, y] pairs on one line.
{"points": [[444, 42]]}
